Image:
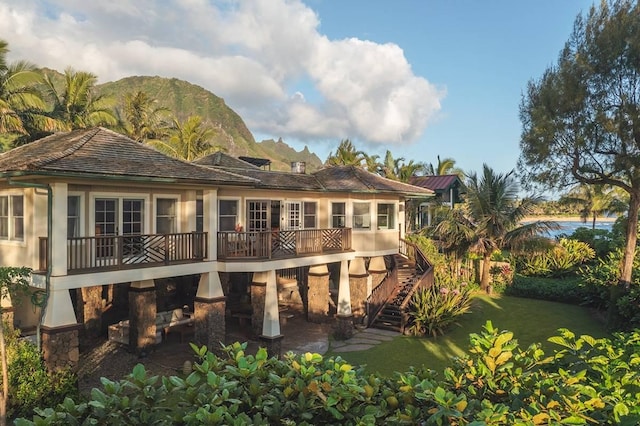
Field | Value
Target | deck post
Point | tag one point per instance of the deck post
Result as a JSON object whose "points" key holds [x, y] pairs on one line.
{"points": [[209, 307], [60, 343], [318, 293], [344, 317], [142, 316]]}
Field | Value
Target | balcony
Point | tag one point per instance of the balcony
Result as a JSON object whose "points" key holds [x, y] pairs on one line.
{"points": [[106, 253], [282, 244]]}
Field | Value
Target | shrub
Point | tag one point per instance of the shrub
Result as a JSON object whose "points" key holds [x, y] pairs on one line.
{"points": [[587, 381], [31, 385], [601, 240], [432, 310], [567, 290], [563, 259]]}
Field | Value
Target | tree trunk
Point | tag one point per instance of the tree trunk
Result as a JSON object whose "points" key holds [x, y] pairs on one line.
{"points": [[486, 262], [613, 317], [593, 224], [4, 398]]}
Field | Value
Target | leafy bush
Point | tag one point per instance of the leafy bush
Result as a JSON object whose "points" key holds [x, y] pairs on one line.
{"points": [[432, 310], [601, 240], [563, 259], [30, 384], [587, 381], [567, 290]]}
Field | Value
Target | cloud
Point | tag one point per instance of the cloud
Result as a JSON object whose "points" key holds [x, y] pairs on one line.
{"points": [[266, 58]]}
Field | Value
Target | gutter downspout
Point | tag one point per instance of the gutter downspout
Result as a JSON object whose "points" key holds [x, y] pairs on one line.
{"points": [[43, 307]]}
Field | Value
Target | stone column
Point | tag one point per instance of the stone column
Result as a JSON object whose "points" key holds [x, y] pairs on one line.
{"points": [[209, 307], [359, 288], [258, 296], [271, 336], [142, 316], [60, 345], [90, 308], [318, 294], [377, 271], [344, 317]]}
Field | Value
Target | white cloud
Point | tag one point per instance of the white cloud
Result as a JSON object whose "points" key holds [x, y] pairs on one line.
{"points": [[252, 53]]}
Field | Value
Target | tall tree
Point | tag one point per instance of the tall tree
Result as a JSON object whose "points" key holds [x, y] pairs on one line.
{"points": [[346, 155], [143, 118], [444, 166], [22, 107], [581, 119], [492, 219], [188, 140], [372, 164], [76, 104]]}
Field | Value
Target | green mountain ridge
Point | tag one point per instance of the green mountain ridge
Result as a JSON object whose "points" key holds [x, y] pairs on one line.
{"points": [[185, 99]]}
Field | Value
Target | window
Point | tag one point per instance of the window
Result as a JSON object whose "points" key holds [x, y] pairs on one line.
{"points": [[166, 222], [361, 216], [310, 209], [199, 215], [258, 215], [338, 215], [12, 217], [386, 216], [227, 215], [73, 216]]}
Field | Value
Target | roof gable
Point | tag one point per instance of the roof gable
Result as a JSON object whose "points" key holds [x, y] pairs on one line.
{"points": [[437, 183]]}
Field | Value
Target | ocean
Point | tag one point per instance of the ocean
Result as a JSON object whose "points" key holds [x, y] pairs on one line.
{"points": [[567, 227]]}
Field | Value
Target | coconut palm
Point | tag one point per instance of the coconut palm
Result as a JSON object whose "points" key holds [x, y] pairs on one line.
{"points": [[143, 118], [445, 166], [492, 218], [346, 155], [595, 201], [188, 140], [22, 107], [76, 103], [372, 164]]}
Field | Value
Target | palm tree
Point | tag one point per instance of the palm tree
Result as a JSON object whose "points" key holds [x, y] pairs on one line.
{"points": [[22, 107], [188, 140], [445, 166], [372, 164], [492, 218], [407, 170], [391, 166], [142, 118], [594, 201], [346, 155], [76, 104]]}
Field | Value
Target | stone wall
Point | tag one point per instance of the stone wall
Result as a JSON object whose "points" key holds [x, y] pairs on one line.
{"points": [[210, 325], [60, 347], [318, 297]]}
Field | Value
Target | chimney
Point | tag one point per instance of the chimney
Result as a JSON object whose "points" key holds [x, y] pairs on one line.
{"points": [[298, 167]]}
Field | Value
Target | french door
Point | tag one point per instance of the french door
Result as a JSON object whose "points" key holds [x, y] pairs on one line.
{"points": [[292, 215], [118, 217]]}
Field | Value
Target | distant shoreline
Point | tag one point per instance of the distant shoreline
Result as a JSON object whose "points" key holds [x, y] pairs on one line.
{"points": [[567, 219]]}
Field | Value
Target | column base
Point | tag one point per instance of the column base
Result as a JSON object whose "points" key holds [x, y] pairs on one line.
{"points": [[61, 346], [273, 344], [344, 327], [210, 326]]}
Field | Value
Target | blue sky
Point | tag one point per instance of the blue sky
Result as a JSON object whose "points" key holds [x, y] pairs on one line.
{"points": [[420, 78]]}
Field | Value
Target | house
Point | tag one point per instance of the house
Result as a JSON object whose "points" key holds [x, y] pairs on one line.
{"points": [[92, 210], [448, 190]]}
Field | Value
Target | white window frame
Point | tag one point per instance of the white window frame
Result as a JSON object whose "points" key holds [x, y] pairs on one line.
{"points": [[343, 215], [120, 197], [177, 204], [81, 209], [10, 238], [238, 219], [305, 215], [363, 228], [393, 216]]}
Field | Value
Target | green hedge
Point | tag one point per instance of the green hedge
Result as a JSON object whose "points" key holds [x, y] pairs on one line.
{"points": [[588, 381], [566, 290]]}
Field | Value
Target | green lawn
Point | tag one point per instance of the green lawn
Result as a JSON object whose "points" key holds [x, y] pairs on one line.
{"points": [[529, 319]]}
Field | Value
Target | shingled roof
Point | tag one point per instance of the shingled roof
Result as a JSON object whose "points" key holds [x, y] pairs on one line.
{"points": [[101, 153], [436, 183], [220, 159], [356, 179]]}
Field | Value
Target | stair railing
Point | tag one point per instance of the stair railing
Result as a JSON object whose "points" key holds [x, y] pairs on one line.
{"points": [[379, 295], [426, 280]]}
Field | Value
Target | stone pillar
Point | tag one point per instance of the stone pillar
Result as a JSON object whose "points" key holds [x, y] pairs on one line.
{"points": [[209, 309], [271, 336], [142, 316], [359, 288], [60, 345], [344, 317], [377, 271], [258, 296], [318, 294], [90, 308]]}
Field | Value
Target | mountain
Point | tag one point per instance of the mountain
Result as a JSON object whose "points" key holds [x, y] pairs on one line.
{"points": [[185, 99]]}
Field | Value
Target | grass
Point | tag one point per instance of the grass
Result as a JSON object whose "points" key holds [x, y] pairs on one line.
{"points": [[530, 320]]}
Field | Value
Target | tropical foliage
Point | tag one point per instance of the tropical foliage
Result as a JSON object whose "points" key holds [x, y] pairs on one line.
{"points": [[562, 259], [188, 140], [588, 381], [142, 118], [434, 309]]}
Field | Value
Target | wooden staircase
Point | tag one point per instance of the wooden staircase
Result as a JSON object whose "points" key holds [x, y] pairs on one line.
{"points": [[390, 316]]}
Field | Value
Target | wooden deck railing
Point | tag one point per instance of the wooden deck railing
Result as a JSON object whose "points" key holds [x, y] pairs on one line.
{"points": [[281, 244], [426, 280], [380, 295], [101, 253]]}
